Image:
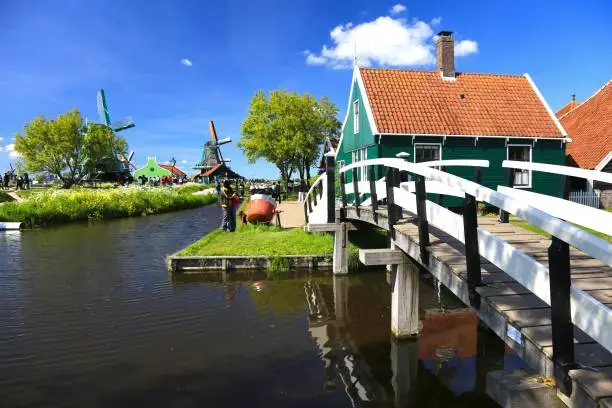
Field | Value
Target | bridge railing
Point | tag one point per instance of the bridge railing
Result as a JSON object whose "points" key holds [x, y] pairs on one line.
{"points": [[569, 303], [586, 216]]}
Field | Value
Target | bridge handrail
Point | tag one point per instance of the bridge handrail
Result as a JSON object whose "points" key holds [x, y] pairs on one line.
{"points": [[578, 238], [556, 169], [317, 181], [593, 218], [462, 162]]}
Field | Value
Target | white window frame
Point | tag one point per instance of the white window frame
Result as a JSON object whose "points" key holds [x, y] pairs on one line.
{"points": [[340, 164], [426, 144], [530, 147], [356, 116], [363, 152]]}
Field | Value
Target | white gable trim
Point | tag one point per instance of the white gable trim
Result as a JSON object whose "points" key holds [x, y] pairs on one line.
{"points": [[546, 106], [366, 104], [604, 162]]}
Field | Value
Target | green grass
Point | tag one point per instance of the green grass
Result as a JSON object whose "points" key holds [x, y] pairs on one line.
{"points": [[5, 198], [254, 240], [52, 207], [530, 227], [192, 188]]}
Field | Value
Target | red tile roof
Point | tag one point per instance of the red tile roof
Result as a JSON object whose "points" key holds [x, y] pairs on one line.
{"points": [[174, 170], [566, 108], [590, 127], [211, 170], [421, 102]]}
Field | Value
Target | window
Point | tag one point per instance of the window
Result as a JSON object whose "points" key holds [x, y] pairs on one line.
{"points": [[522, 178], [364, 169], [356, 116], [340, 164], [427, 152]]}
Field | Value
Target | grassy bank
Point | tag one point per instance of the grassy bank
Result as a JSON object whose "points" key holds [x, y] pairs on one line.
{"points": [[261, 240], [81, 204], [5, 198]]}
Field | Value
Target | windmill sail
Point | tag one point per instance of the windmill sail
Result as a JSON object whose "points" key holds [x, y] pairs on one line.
{"points": [[103, 114]]}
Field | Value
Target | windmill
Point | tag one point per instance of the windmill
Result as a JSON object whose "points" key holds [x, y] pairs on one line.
{"points": [[211, 154], [104, 115]]}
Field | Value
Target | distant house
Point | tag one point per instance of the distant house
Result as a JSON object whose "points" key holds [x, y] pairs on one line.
{"points": [[444, 114], [589, 124], [176, 172]]}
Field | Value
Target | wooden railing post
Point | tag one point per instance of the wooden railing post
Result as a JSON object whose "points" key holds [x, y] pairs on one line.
{"points": [[330, 171], [343, 189], [562, 327], [373, 195], [504, 216], [314, 195], [472, 254], [421, 198], [309, 201], [355, 190], [404, 156], [306, 212], [391, 213], [441, 196]]}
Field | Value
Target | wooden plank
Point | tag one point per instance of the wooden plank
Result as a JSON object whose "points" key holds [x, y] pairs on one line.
{"points": [[514, 302], [542, 335], [383, 256], [597, 384], [588, 354], [502, 288], [593, 284], [604, 296], [529, 317]]}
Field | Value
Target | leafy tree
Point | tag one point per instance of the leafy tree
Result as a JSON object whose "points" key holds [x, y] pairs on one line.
{"points": [[287, 129], [66, 148]]}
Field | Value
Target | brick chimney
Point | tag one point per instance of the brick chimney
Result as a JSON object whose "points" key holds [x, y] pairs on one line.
{"points": [[445, 55]]}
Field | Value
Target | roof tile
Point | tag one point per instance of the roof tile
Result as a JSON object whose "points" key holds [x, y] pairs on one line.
{"points": [[421, 102]]}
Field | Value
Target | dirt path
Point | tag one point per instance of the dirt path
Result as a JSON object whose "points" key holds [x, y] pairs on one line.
{"points": [[292, 214]]}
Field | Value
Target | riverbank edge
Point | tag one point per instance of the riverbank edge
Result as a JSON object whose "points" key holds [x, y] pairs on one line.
{"points": [[196, 264]]}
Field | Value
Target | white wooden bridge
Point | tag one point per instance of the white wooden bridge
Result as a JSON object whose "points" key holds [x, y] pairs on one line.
{"points": [[548, 298]]}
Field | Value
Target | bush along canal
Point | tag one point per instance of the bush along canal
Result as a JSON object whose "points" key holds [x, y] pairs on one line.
{"points": [[53, 207], [92, 318]]}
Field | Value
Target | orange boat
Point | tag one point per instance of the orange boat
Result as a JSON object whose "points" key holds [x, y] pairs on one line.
{"points": [[260, 209]]}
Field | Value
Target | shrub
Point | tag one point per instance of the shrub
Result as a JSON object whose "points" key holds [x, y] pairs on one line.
{"points": [[80, 204]]}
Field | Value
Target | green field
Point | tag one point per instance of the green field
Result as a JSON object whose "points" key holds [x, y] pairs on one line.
{"points": [[52, 206]]}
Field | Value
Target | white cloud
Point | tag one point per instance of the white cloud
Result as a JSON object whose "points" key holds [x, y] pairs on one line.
{"points": [[385, 41], [1, 148], [10, 148], [397, 9], [466, 47], [184, 162], [436, 21], [186, 62], [1, 138]]}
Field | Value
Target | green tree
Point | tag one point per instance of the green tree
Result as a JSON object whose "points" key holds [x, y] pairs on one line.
{"points": [[287, 129], [66, 148]]}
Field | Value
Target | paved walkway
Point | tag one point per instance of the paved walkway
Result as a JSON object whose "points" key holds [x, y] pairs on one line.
{"points": [[292, 215]]}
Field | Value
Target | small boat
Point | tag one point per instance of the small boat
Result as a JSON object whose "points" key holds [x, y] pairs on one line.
{"points": [[260, 209]]}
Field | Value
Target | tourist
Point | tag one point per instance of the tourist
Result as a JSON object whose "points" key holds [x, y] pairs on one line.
{"points": [[7, 180], [277, 192], [218, 188], [227, 200], [26, 181], [301, 192]]}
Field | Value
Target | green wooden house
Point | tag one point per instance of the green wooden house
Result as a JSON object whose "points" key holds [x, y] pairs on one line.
{"points": [[445, 115]]}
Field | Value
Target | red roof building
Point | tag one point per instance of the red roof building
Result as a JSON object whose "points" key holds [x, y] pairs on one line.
{"points": [[174, 170], [589, 124]]}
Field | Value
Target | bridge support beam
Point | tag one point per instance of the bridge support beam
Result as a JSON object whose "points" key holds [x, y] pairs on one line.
{"points": [[405, 289]]}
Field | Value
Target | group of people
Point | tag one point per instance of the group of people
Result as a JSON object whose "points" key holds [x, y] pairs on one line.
{"points": [[22, 182], [159, 181]]}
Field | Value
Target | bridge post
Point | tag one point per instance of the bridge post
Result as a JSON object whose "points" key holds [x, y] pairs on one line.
{"points": [[441, 196], [405, 281], [391, 214], [309, 201], [330, 172], [340, 256], [421, 198], [504, 217], [373, 195], [355, 190], [405, 366], [562, 327], [306, 212], [343, 190], [472, 254]]}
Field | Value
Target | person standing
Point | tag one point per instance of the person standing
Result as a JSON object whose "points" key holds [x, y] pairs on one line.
{"points": [[301, 192], [26, 181], [277, 192], [228, 199], [218, 189]]}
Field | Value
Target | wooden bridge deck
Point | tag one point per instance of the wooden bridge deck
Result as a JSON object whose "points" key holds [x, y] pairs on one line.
{"points": [[516, 315]]}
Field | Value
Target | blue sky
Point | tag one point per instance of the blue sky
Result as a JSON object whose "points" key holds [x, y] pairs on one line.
{"points": [[55, 56]]}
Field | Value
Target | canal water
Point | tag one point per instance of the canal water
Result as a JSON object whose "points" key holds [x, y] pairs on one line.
{"points": [[89, 317]]}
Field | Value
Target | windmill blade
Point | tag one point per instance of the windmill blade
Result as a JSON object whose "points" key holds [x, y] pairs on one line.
{"points": [[227, 160], [220, 155], [224, 141], [103, 109], [213, 132], [130, 156]]}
